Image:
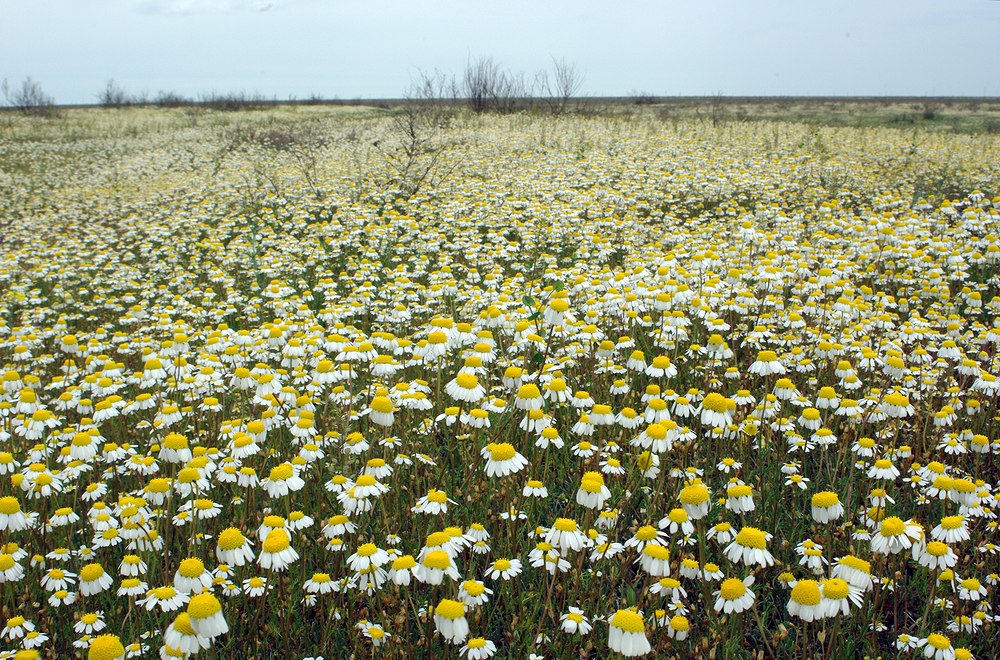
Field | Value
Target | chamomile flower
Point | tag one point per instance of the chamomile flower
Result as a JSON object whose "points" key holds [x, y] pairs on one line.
{"points": [[504, 569], [502, 459], [750, 548], [277, 552], [627, 634], [826, 507], [734, 596], [477, 648], [450, 621], [205, 613], [574, 622], [806, 601]]}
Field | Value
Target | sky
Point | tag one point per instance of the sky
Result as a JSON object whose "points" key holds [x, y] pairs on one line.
{"points": [[351, 49]]}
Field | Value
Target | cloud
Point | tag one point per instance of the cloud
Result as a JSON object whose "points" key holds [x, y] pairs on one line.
{"points": [[205, 6]]}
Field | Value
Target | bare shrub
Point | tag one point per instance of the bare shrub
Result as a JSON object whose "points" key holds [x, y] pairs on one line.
{"points": [[28, 98], [487, 87], [559, 87], [114, 95]]}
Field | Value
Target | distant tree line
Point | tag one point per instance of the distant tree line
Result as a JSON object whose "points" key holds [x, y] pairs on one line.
{"points": [[115, 96], [483, 86]]}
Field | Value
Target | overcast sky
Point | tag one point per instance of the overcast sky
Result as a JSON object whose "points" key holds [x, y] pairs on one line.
{"points": [[371, 48]]}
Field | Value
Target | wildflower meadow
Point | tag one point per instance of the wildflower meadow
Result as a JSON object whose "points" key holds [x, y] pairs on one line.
{"points": [[322, 382]]}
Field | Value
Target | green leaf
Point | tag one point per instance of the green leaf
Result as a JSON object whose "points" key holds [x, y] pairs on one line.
{"points": [[528, 301], [558, 285]]}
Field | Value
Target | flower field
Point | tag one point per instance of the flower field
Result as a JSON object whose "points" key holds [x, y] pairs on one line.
{"points": [[305, 382]]}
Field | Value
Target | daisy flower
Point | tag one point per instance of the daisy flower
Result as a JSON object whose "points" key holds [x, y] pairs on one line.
{"points": [[205, 613], [750, 547], [938, 647], [474, 593], [450, 621], [951, 529], [16, 628], [826, 507], [574, 622], [256, 586], [894, 536], [478, 648], [806, 601], [592, 492], [106, 647], [181, 635], [734, 596], [504, 569], [502, 459], [655, 559], [936, 555], [90, 623], [233, 548], [167, 598], [627, 634], [678, 627], [695, 499], [566, 535], [838, 596], [277, 552], [93, 579], [434, 566]]}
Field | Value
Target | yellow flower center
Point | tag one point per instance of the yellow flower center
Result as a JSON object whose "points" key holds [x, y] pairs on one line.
{"points": [[438, 559], [892, 526], [281, 472], [91, 572], [628, 621], [191, 568], [971, 584], [646, 533], [806, 592], [105, 647], [740, 491], [473, 588], [276, 541], [203, 606], [836, 589], [9, 505], [751, 537], [450, 609], [937, 549], [952, 522], [466, 381], [656, 551], [732, 589], [502, 451], [694, 494], [825, 499]]}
